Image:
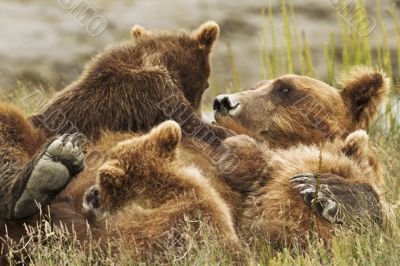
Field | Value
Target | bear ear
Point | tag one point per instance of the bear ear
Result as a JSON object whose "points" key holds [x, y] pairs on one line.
{"points": [[356, 146], [207, 34], [138, 32], [166, 137], [110, 175], [364, 90]]}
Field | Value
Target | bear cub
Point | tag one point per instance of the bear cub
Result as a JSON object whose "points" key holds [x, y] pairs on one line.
{"points": [[148, 193]]}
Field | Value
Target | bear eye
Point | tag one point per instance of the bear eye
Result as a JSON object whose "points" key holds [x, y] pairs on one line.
{"points": [[284, 90]]}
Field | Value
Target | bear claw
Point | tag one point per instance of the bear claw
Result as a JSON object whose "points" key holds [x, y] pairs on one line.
{"points": [[321, 199], [302, 177], [66, 150]]}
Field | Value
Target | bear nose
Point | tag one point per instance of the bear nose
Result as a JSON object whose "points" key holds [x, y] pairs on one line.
{"points": [[223, 103]]}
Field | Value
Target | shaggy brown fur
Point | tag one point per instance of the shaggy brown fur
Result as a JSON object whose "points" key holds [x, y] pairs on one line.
{"points": [[279, 214], [149, 191], [189, 153], [135, 86], [296, 109], [33, 172], [152, 202]]}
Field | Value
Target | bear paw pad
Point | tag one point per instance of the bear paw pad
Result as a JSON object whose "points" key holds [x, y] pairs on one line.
{"points": [[51, 172]]}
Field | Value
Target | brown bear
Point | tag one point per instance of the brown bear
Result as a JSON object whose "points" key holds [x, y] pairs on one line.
{"points": [[216, 170], [132, 86], [282, 186], [135, 86], [338, 180], [26, 182], [297, 109], [148, 193]]}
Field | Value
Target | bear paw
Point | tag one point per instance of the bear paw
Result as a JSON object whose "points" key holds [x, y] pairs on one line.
{"points": [[322, 201], [51, 172]]}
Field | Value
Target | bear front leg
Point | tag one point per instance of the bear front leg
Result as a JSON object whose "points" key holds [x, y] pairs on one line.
{"points": [[44, 176], [337, 200], [243, 163]]}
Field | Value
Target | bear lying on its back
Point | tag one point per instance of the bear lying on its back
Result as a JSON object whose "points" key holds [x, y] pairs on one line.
{"points": [[284, 118], [293, 110]]}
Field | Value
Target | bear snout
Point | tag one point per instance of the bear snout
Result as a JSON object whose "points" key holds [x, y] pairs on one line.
{"points": [[225, 104]]}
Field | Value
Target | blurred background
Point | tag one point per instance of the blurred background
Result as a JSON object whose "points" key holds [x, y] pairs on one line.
{"points": [[47, 42]]}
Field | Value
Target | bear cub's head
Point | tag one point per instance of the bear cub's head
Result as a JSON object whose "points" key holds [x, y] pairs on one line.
{"points": [[141, 166], [185, 55]]}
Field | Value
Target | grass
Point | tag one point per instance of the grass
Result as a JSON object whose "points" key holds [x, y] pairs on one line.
{"points": [[372, 246]]}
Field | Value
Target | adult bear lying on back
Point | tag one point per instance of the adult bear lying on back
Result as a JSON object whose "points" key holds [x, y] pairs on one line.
{"points": [[296, 110]]}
